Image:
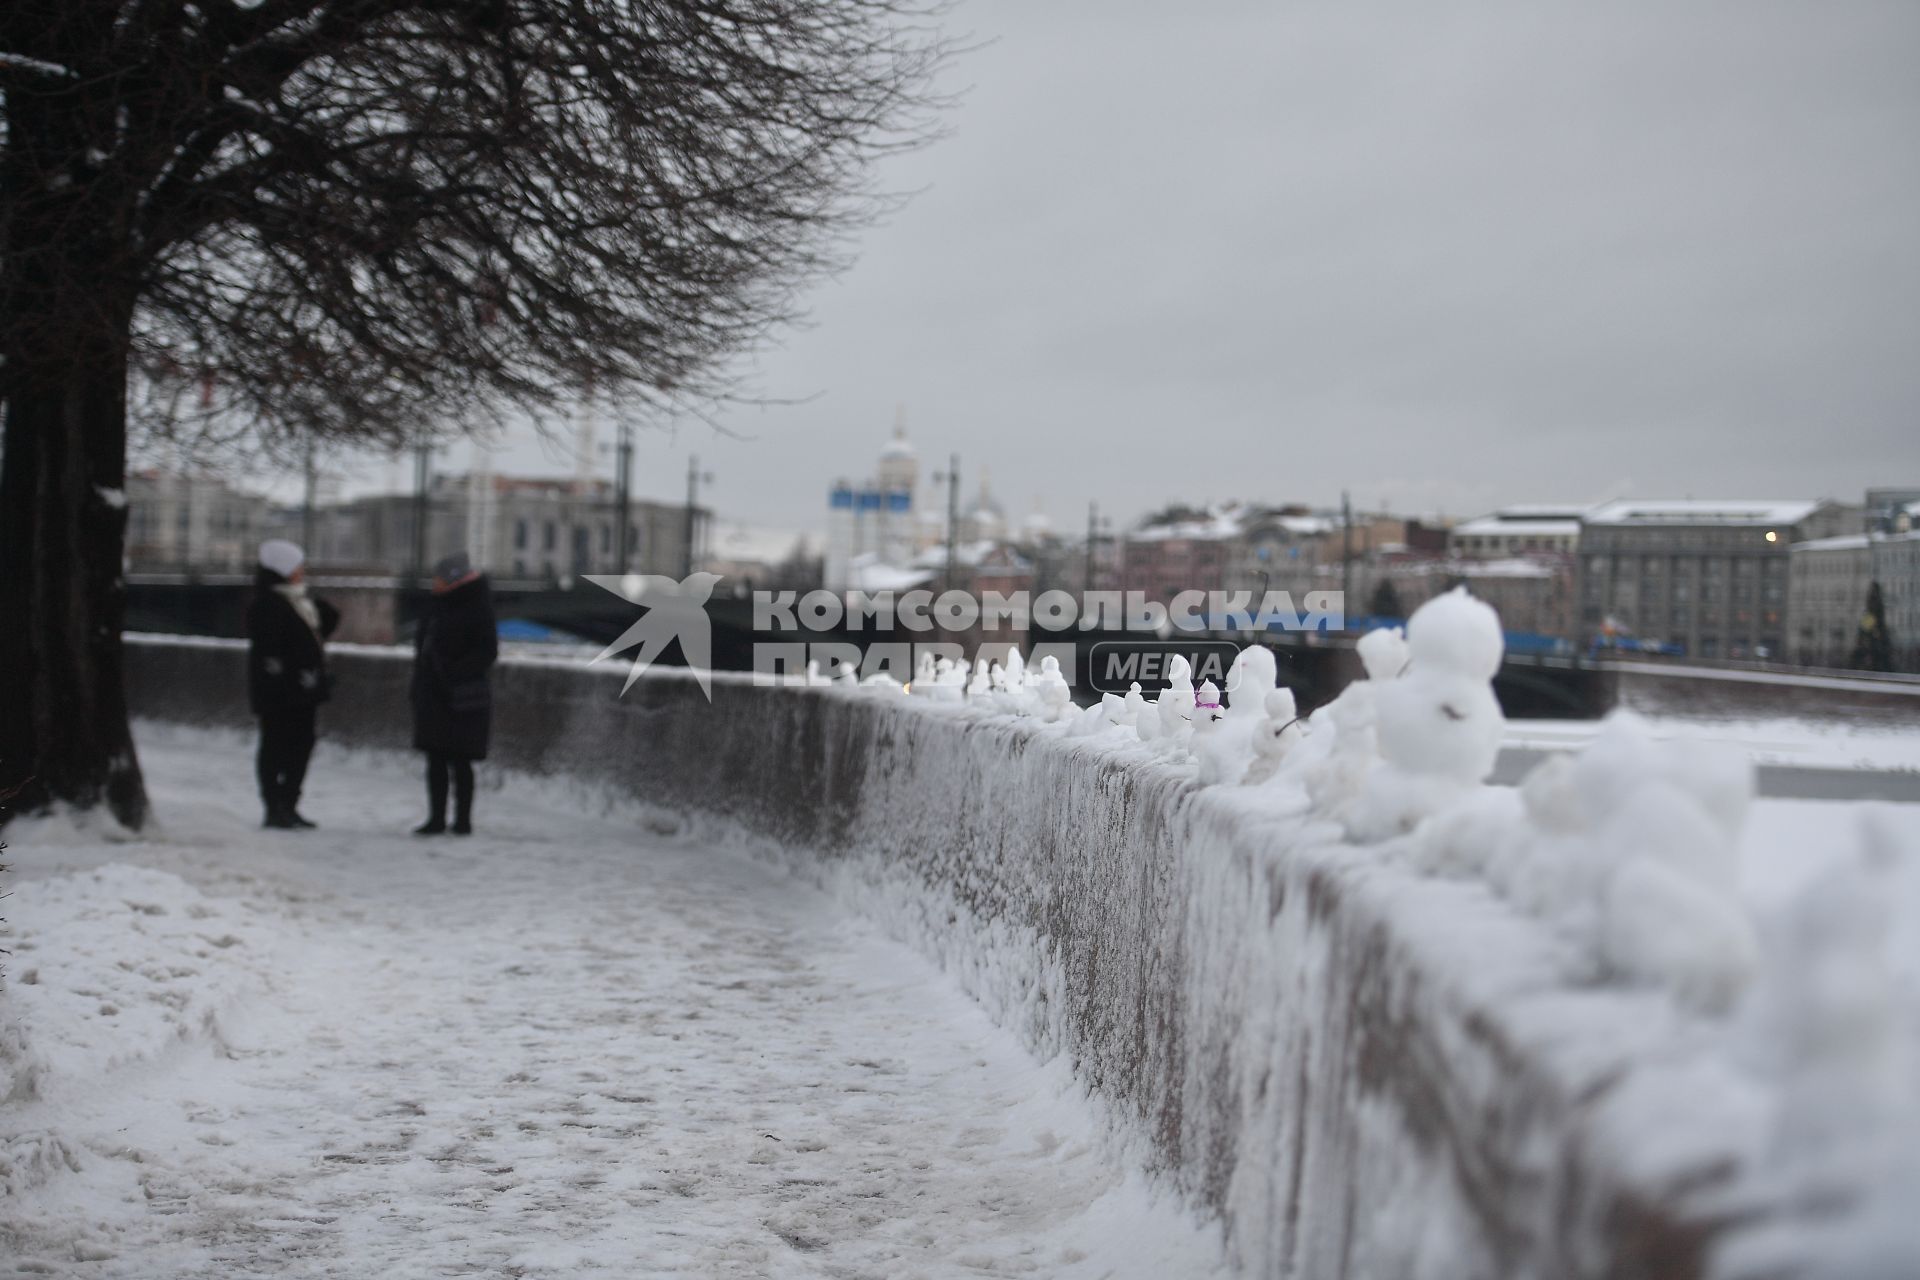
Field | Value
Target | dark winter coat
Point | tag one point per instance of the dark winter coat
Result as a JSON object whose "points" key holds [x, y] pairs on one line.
{"points": [[453, 651], [286, 664]]}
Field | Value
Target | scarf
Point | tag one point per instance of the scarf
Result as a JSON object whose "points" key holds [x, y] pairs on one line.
{"points": [[295, 594]]}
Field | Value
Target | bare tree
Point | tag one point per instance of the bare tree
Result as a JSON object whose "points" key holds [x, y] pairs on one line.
{"points": [[353, 219]]}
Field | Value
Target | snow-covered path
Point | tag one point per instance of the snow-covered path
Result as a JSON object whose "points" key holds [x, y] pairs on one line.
{"points": [[564, 1047]]}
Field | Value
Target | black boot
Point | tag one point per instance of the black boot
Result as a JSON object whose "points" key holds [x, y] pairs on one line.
{"points": [[301, 823], [462, 771], [433, 826], [280, 818]]}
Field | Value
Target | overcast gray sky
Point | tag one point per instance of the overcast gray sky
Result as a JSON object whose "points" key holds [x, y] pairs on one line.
{"points": [[1447, 256]]}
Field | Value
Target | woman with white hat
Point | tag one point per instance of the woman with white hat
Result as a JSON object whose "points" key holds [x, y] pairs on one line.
{"points": [[286, 676]]}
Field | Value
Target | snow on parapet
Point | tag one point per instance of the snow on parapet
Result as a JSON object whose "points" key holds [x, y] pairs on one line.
{"points": [[1630, 849]]}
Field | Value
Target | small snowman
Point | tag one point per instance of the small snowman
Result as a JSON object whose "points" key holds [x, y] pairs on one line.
{"points": [[948, 683], [981, 683], [1223, 757], [1175, 704], [1249, 680], [1252, 677], [1055, 694], [1440, 717], [1383, 653], [1437, 726], [1275, 736]]}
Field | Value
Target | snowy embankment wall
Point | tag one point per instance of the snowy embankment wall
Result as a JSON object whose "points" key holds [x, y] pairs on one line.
{"points": [[1361, 1070]]}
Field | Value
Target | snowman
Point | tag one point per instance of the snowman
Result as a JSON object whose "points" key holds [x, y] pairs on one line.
{"points": [[1018, 696], [1275, 735], [1223, 755], [1437, 726], [1250, 679], [948, 683], [981, 683], [1383, 653], [1055, 695], [1230, 744], [1175, 704]]}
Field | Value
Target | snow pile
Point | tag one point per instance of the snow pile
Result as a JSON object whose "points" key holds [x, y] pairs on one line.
{"points": [[110, 967], [114, 966], [1836, 1023], [1630, 849]]}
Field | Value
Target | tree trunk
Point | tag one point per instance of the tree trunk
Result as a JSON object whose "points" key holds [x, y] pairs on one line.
{"points": [[64, 734]]}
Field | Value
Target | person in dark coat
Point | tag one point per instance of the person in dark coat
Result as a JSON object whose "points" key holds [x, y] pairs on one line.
{"points": [[287, 676], [454, 649]]}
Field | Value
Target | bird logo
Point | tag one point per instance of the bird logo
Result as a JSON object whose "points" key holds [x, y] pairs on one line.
{"points": [[674, 610]]}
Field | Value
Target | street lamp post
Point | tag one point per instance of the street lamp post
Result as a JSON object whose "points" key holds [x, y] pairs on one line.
{"points": [[1095, 523], [951, 478], [623, 496], [422, 467], [695, 478]]}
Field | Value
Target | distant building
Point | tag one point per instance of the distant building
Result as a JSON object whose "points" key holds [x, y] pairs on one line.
{"points": [[1181, 549], [1288, 549], [978, 567], [1891, 510], [749, 557], [1827, 582], [1707, 575], [1896, 567], [1826, 592], [1517, 531], [1533, 594], [513, 527], [874, 522], [193, 523]]}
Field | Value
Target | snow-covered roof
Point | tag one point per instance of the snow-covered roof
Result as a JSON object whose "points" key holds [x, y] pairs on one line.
{"points": [[1513, 568], [1215, 526], [968, 554], [1306, 524], [733, 540], [1229, 520], [869, 573], [1543, 510], [1500, 524], [1718, 511], [1845, 542]]}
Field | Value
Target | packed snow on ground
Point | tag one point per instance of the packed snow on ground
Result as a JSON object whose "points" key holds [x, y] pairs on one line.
{"points": [[571, 1045]]}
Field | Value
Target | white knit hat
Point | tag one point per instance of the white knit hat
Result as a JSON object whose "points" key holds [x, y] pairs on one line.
{"points": [[281, 556]]}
